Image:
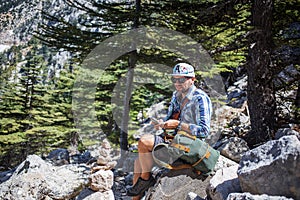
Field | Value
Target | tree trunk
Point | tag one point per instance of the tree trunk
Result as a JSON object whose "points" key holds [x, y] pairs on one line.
{"points": [[297, 105], [132, 62], [127, 96], [261, 93]]}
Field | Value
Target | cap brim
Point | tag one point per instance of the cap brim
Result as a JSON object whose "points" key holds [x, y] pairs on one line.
{"points": [[184, 75]]}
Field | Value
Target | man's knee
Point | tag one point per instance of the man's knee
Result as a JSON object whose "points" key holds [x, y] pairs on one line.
{"points": [[137, 163], [146, 141]]}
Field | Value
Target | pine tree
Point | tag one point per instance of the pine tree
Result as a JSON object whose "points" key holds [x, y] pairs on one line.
{"points": [[35, 113], [126, 15], [17, 106], [260, 86], [222, 28]]}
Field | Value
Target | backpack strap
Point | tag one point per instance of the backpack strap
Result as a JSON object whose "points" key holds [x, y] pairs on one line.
{"points": [[187, 135], [181, 147], [184, 103], [206, 155], [169, 166], [177, 114], [182, 166]]}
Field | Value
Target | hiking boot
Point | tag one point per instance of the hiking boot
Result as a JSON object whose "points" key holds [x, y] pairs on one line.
{"points": [[140, 186]]}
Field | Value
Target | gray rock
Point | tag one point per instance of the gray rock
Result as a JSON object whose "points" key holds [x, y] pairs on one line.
{"points": [[286, 131], [272, 168], [237, 93], [128, 164], [224, 182], [84, 194], [193, 196], [146, 128], [287, 76], [59, 157], [242, 83], [108, 195], [177, 184], [4, 176], [38, 179], [158, 111], [102, 180], [248, 196], [185, 183], [234, 148], [81, 157], [224, 162], [230, 121]]}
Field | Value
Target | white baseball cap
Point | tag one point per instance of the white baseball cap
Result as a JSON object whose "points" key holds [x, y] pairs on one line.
{"points": [[183, 69]]}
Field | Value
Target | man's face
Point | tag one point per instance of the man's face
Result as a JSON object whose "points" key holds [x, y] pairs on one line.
{"points": [[182, 84]]}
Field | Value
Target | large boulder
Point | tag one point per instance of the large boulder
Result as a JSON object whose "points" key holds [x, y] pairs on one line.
{"points": [[272, 168], [224, 162], [107, 195], [233, 148], [224, 182], [177, 184], [36, 178], [88, 194], [248, 196], [180, 184]]}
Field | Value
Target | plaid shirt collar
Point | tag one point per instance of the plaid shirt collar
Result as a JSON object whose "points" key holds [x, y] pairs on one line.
{"points": [[189, 94]]}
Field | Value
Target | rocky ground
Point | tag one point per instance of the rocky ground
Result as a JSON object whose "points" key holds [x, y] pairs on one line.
{"points": [[240, 173]]}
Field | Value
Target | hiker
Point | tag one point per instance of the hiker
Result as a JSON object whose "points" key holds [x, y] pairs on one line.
{"points": [[190, 111]]}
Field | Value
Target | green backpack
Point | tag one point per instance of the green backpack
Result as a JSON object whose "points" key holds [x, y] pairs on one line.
{"points": [[194, 152]]}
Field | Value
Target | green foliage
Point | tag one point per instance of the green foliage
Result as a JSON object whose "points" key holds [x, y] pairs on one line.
{"points": [[12, 139], [36, 108], [36, 112], [219, 27]]}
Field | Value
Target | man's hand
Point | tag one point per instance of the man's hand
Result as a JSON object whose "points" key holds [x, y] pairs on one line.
{"points": [[171, 124], [158, 125]]}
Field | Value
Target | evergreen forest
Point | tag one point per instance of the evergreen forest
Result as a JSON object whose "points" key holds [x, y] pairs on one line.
{"points": [[42, 76]]}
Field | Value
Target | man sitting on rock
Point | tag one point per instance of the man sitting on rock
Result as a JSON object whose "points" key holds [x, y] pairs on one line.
{"points": [[190, 111]]}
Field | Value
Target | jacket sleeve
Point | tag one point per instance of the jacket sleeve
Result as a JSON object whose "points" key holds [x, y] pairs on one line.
{"points": [[203, 109]]}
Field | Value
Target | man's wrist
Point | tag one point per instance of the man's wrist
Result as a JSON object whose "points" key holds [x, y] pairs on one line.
{"points": [[178, 128], [185, 127]]}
